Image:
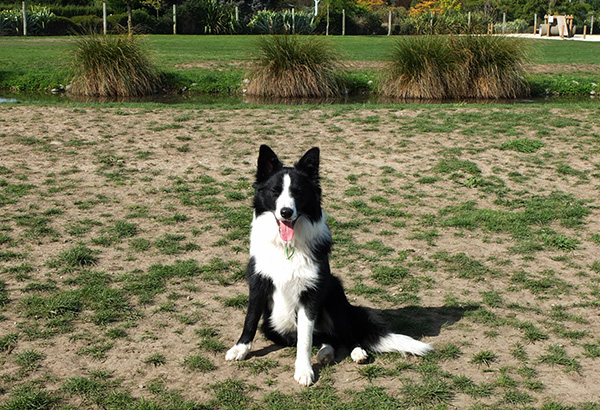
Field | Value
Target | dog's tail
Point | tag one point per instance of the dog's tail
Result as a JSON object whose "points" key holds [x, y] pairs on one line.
{"points": [[396, 343]]}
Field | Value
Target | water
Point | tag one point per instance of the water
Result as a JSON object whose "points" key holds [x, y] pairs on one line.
{"points": [[240, 100]]}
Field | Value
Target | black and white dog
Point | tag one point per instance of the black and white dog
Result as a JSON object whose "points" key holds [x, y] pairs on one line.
{"points": [[291, 286]]}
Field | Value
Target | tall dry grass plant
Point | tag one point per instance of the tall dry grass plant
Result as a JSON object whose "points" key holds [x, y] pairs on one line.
{"points": [[112, 66], [454, 67], [295, 66]]}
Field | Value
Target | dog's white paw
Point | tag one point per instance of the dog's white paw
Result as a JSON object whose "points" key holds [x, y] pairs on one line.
{"points": [[304, 376], [359, 355], [238, 352], [326, 355]]}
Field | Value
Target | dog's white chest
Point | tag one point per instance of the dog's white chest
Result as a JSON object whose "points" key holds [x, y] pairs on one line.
{"points": [[291, 277]]}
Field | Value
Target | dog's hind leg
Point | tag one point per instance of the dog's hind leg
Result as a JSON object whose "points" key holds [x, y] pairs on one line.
{"points": [[359, 355], [326, 354]]}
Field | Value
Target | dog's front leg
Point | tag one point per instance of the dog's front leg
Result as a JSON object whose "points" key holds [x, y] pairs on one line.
{"points": [[304, 373], [259, 291]]}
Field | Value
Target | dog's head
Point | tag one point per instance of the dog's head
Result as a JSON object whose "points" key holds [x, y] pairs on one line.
{"points": [[290, 193]]}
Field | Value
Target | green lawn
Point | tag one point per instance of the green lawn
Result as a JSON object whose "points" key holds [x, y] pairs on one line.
{"points": [[42, 62]]}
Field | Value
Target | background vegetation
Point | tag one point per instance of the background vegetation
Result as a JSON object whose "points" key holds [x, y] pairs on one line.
{"points": [[58, 17], [217, 64]]}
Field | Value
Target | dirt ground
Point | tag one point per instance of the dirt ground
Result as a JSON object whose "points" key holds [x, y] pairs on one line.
{"points": [[389, 198]]}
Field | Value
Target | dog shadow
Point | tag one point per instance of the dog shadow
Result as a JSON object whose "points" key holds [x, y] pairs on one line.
{"points": [[418, 322]]}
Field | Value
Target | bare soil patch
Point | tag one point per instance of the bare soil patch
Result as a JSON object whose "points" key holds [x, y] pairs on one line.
{"points": [[443, 223]]}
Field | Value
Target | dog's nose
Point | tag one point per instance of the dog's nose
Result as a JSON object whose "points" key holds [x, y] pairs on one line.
{"points": [[286, 212]]}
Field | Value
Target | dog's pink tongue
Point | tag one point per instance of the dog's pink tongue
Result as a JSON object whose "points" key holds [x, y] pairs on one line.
{"points": [[286, 230]]}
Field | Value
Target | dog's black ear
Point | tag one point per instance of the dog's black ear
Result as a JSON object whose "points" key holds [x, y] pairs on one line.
{"points": [[268, 164], [309, 163]]}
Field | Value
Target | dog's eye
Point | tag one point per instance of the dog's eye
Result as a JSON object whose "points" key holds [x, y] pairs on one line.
{"points": [[276, 191]]}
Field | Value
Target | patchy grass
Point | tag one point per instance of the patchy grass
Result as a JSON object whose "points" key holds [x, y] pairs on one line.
{"points": [[124, 236]]}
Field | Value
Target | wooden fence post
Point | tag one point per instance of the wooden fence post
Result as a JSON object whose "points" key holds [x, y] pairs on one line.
{"points": [[534, 24], [584, 31], [24, 19], [327, 26], [174, 19], [104, 22]]}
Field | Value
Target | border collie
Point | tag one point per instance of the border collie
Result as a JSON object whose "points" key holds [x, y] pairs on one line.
{"points": [[291, 285]]}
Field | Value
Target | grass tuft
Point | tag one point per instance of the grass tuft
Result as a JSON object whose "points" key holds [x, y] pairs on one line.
{"points": [[295, 66], [451, 67], [112, 66]]}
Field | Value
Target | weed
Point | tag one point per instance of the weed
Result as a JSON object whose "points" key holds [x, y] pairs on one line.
{"points": [[156, 359], [96, 351], [374, 371], [4, 299], [198, 363], [258, 366], [29, 360], [557, 355], [485, 357], [429, 393], [560, 241], [386, 275], [524, 145], [465, 267], [8, 342], [211, 344], [590, 350], [79, 256], [28, 397], [230, 394], [448, 166], [237, 302]]}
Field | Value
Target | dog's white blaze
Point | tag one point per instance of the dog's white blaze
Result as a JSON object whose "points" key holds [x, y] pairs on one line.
{"points": [[286, 200]]}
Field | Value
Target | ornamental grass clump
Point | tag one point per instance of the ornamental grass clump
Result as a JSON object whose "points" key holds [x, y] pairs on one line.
{"points": [[112, 66], [421, 67], [454, 67], [494, 66], [295, 66]]}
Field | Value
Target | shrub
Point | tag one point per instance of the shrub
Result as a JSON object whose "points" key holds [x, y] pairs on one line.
{"points": [[112, 66], [38, 17], [87, 24], [281, 22], [206, 17], [448, 22], [515, 26], [294, 66], [60, 26], [436, 67], [141, 20]]}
